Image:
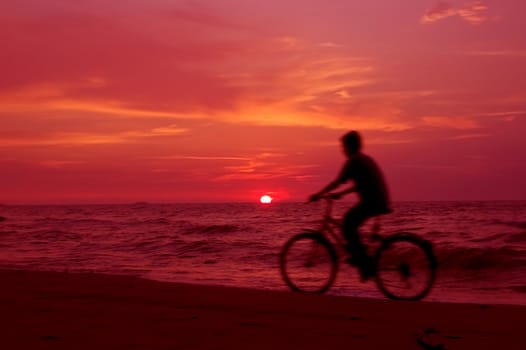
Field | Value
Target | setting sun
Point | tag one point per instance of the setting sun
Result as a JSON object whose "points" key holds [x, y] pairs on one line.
{"points": [[265, 199]]}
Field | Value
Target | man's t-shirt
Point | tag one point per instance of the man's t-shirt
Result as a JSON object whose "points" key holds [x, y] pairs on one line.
{"points": [[369, 182]]}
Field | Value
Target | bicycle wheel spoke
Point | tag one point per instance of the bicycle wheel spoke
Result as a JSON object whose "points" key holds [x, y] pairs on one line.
{"points": [[308, 264], [404, 268]]}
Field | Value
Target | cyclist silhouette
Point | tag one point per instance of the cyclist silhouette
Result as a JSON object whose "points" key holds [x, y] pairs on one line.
{"points": [[372, 191]]}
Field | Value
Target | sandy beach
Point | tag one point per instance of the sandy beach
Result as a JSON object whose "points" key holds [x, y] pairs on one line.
{"points": [[51, 310]]}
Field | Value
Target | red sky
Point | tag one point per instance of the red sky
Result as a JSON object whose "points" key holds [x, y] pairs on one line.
{"points": [[179, 101]]}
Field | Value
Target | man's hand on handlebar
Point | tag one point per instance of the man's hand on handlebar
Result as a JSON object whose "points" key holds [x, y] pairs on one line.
{"points": [[316, 197], [334, 195]]}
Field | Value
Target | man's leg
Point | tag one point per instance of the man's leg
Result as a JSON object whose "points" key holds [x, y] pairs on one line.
{"points": [[354, 218]]}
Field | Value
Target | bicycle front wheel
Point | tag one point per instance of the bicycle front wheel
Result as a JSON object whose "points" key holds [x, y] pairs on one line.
{"points": [[405, 267], [308, 263]]}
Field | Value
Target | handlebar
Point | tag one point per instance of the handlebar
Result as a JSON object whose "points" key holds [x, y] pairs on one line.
{"points": [[329, 200]]}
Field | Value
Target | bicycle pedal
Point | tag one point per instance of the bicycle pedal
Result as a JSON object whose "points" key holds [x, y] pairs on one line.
{"points": [[353, 262], [366, 275]]}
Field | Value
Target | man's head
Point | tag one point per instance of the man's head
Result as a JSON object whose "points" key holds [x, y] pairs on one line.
{"points": [[352, 142]]}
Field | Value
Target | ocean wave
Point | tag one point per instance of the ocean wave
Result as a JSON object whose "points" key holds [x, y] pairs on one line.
{"points": [[516, 224], [201, 248], [187, 227], [482, 258], [516, 237], [73, 222], [149, 222], [490, 238], [519, 289], [49, 236]]}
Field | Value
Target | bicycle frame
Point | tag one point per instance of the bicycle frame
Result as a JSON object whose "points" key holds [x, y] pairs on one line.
{"points": [[331, 226]]}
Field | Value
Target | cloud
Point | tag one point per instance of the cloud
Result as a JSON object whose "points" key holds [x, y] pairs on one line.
{"points": [[201, 158], [460, 123], [89, 138], [218, 73], [170, 130], [60, 163], [440, 11], [200, 17], [260, 80], [329, 44], [260, 166], [470, 136], [275, 81], [225, 167], [506, 115], [254, 170], [138, 70], [473, 13], [499, 53]]}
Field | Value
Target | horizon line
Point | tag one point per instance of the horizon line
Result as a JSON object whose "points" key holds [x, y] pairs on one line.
{"points": [[13, 204]]}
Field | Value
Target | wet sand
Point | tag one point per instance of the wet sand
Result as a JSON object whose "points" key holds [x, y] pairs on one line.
{"points": [[51, 310]]}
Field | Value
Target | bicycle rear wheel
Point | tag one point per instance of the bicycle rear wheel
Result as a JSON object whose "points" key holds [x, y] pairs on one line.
{"points": [[308, 263], [405, 267]]}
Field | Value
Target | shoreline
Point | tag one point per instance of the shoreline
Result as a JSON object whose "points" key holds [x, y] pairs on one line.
{"points": [[59, 310], [367, 290]]}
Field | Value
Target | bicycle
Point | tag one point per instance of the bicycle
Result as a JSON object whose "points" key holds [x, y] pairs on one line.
{"points": [[404, 263]]}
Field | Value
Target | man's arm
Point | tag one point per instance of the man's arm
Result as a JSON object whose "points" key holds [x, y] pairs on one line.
{"points": [[351, 189], [340, 180], [331, 186]]}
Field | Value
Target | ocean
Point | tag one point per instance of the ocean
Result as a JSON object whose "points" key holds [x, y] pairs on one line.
{"points": [[480, 246]]}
